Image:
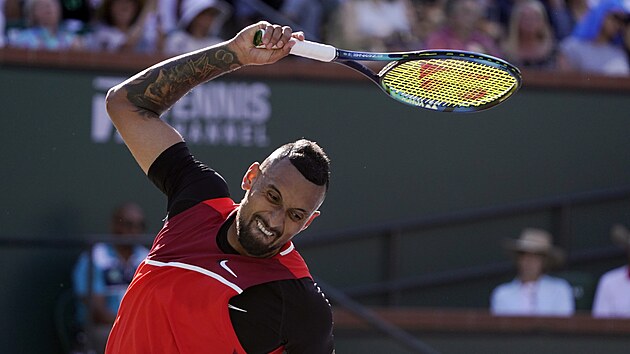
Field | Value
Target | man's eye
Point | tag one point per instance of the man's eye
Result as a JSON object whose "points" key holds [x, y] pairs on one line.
{"points": [[297, 216], [273, 197]]}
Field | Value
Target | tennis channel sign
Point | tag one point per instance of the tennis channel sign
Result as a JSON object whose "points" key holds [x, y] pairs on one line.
{"points": [[216, 113]]}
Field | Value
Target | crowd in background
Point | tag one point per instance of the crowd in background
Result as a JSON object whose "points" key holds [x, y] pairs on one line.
{"points": [[563, 35], [535, 292]]}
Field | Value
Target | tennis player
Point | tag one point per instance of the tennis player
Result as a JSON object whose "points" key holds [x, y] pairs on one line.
{"points": [[221, 277]]}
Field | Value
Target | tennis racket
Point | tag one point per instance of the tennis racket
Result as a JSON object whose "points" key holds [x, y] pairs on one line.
{"points": [[438, 80]]}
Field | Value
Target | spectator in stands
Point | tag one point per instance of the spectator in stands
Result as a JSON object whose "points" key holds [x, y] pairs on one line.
{"points": [[306, 15], [530, 42], [559, 12], [532, 292], [577, 9], [113, 267], [169, 13], [612, 297], [44, 28], [560, 17], [596, 44], [430, 15], [461, 30], [2, 24], [199, 26], [13, 11], [565, 15], [376, 25], [78, 13], [127, 26]]}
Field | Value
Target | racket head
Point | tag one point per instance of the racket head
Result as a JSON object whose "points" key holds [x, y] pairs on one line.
{"points": [[450, 81]]}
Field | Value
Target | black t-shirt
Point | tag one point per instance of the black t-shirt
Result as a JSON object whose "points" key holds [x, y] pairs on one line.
{"points": [[293, 313]]}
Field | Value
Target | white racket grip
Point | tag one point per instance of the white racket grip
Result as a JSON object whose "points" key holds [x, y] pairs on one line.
{"points": [[313, 50]]}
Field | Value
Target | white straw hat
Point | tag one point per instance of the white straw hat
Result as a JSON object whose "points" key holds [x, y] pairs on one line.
{"points": [[536, 241]]}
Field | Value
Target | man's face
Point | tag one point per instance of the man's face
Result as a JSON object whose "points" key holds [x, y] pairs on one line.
{"points": [[278, 204], [46, 13], [530, 266], [129, 221], [613, 25]]}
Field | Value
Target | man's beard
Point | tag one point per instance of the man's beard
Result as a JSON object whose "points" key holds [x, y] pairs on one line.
{"points": [[250, 242]]}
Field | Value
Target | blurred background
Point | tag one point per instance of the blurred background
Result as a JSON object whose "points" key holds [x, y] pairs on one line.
{"points": [[411, 243]]}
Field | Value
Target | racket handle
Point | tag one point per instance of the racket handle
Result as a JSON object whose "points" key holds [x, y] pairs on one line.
{"points": [[314, 50], [306, 49]]}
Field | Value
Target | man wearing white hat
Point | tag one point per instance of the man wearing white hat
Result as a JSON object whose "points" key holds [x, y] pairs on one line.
{"points": [[199, 26], [532, 292], [612, 297]]}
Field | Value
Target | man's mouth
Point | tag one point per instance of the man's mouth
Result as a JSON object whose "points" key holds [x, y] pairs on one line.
{"points": [[263, 229]]}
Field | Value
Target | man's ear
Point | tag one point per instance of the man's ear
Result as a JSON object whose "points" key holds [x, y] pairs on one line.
{"points": [[250, 176], [310, 220]]}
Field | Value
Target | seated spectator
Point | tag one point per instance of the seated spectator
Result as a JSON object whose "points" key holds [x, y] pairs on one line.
{"points": [[2, 24], [306, 15], [529, 42], [78, 13], [612, 297], [113, 267], [429, 16], [560, 13], [461, 30], [596, 45], [577, 10], [564, 15], [127, 26], [532, 292], [375, 25], [44, 28], [169, 12], [199, 26]]}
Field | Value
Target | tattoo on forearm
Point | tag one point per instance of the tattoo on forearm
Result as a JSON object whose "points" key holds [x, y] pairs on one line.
{"points": [[156, 89]]}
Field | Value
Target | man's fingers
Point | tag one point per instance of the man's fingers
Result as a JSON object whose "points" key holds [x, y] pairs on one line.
{"points": [[276, 36]]}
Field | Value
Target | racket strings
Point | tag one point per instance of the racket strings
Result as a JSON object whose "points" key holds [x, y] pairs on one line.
{"points": [[448, 82]]}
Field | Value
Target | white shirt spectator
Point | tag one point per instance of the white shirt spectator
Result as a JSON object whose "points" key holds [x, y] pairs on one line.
{"points": [[612, 297], [199, 26], [2, 24], [600, 58], [548, 296]]}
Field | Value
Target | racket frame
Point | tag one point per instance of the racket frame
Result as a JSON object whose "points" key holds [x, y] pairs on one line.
{"points": [[349, 58]]}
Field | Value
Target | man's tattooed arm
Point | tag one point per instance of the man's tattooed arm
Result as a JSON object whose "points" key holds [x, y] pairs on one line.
{"points": [[136, 105], [157, 88]]}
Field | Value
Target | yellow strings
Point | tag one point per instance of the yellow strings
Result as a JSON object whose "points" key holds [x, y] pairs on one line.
{"points": [[450, 82]]}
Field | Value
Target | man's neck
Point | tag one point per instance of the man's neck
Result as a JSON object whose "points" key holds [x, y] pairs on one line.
{"points": [[232, 238], [124, 251], [223, 236], [527, 280]]}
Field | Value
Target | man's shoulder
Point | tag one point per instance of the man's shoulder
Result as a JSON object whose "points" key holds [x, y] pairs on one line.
{"points": [[305, 299], [291, 259], [215, 208], [617, 274], [507, 286]]}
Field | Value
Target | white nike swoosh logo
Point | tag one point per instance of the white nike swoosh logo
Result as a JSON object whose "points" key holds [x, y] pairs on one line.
{"points": [[235, 308], [223, 265]]}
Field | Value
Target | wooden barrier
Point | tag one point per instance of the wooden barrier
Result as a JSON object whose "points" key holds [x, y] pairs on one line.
{"points": [[476, 321]]}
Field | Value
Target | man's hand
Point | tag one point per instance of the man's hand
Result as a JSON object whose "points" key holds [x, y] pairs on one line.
{"points": [[276, 41]]}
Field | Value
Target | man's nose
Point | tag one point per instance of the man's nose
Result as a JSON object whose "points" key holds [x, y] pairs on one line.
{"points": [[276, 220]]}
